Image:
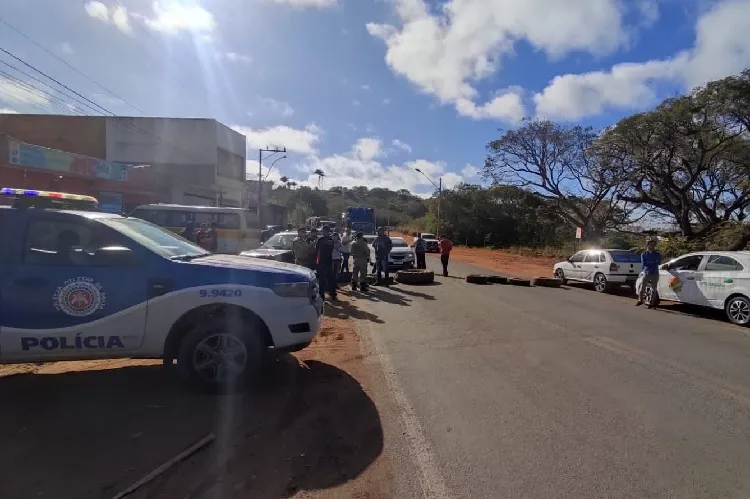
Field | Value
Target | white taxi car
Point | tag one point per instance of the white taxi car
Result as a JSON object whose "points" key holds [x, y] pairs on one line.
{"points": [[604, 268], [715, 279]]}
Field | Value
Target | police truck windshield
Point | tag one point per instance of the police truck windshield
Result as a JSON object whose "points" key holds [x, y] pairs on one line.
{"points": [[158, 240]]}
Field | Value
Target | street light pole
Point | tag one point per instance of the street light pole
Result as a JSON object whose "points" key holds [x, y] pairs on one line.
{"points": [[439, 187], [260, 185]]}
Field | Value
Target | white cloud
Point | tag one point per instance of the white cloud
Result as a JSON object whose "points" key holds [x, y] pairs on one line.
{"points": [[720, 49], [365, 87], [14, 92], [401, 145], [278, 107], [386, 101], [470, 171], [443, 53], [307, 3], [66, 48], [7, 110], [117, 16], [368, 148], [356, 103], [295, 140], [239, 58], [173, 17]]}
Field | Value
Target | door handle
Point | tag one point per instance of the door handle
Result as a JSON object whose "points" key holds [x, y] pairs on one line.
{"points": [[31, 282]]}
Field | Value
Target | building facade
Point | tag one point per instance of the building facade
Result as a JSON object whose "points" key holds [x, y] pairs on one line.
{"points": [[176, 160]]}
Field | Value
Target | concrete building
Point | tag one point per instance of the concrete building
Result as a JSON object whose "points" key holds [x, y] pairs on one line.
{"points": [[184, 160]]}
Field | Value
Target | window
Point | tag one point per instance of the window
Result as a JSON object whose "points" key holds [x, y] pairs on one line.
{"points": [[223, 220], [578, 257], [691, 262], [625, 256], [65, 242], [399, 243], [158, 217], [157, 239], [593, 257], [721, 263], [280, 241]]}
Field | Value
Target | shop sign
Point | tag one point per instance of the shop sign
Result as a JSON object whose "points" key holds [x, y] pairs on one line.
{"points": [[43, 158]]}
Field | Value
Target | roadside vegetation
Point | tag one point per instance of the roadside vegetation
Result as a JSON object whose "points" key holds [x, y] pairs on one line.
{"points": [[680, 171]]}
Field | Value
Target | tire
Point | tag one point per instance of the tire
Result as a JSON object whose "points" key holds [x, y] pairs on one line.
{"points": [[497, 279], [546, 282], [737, 309], [415, 276], [206, 339], [651, 296], [476, 279], [519, 282], [600, 283], [560, 274]]}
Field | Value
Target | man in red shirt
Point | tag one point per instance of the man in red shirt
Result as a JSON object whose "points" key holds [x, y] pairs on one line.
{"points": [[445, 252]]}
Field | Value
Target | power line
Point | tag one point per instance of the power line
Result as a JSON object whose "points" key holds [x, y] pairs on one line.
{"points": [[50, 98], [56, 81], [69, 65], [43, 83]]}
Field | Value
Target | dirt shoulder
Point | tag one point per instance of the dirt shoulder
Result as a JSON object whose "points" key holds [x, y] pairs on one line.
{"points": [[506, 263], [90, 429]]}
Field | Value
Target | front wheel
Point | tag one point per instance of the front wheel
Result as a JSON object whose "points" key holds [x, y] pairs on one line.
{"points": [[560, 274], [738, 310], [221, 355], [600, 283], [650, 296]]}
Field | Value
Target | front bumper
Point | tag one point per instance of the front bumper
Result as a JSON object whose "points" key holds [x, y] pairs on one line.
{"points": [[297, 324]]}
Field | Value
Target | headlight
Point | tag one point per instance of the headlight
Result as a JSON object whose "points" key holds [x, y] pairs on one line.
{"points": [[293, 289], [409, 256]]}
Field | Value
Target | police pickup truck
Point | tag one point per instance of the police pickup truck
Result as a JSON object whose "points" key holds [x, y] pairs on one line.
{"points": [[88, 285]]}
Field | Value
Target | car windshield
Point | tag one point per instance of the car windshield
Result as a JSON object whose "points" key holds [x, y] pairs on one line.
{"points": [[280, 241], [428, 236], [399, 242], [625, 256], [159, 240]]}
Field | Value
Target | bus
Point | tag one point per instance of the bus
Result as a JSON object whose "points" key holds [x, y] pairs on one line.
{"points": [[236, 227]]}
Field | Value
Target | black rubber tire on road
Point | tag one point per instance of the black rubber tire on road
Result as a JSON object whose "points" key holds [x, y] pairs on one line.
{"points": [[415, 276], [560, 274], [476, 279], [519, 282], [232, 327], [546, 282], [497, 279]]}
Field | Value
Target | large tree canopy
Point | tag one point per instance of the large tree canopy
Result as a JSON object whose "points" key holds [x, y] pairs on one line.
{"points": [[554, 160], [687, 159]]}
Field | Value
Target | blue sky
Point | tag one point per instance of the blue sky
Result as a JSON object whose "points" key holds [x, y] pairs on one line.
{"points": [[369, 91]]}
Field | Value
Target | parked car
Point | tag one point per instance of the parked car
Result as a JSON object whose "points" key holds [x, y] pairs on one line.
{"points": [[714, 279], [401, 256], [604, 268], [278, 247], [79, 285], [432, 245]]}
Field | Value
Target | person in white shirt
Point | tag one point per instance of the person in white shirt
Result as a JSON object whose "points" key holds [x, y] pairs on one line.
{"points": [[346, 241]]}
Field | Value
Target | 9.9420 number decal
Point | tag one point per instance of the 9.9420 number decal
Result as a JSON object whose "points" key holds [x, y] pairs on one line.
{"points": [[216, 293]]}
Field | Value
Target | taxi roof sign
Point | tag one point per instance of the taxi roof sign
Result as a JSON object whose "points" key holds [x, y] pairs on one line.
{"points": [[9, 191]]}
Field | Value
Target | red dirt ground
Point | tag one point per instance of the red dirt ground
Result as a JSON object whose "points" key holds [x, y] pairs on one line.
{"points": [[78, 430]]}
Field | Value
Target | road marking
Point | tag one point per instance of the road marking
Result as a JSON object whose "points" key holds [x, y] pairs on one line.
{"points": [[430, 479]]}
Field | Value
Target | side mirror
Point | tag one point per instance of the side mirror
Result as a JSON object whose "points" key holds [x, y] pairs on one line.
{"points": [[114, 256], [664, 266]]}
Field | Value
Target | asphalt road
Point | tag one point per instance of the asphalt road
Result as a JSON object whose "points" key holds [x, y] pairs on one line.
{"points": [[501, 391]]}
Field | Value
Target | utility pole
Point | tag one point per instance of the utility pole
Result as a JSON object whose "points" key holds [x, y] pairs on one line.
{"points": [[440, 195], [260, 184]]}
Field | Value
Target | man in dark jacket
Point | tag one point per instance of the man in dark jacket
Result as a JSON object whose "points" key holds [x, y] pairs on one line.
{"points": [[324, 249], [383, 246], [420, 249], [189, 231]]}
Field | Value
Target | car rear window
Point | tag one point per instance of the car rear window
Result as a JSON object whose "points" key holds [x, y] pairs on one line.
{"points": [[625, 256]]}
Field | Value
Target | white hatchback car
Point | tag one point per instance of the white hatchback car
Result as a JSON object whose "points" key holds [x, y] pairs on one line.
{"points": [[715, 279], [602, 267]]}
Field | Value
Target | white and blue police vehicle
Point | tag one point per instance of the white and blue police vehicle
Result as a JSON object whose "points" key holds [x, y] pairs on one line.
{"points": [[89, 285]]}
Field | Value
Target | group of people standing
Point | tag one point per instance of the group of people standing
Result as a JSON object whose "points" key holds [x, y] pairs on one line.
{"points": [[326, 254], [206, 236], [420, 250]]}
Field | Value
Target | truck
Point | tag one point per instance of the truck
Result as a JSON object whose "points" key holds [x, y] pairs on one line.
{"points": [[360, 219]]}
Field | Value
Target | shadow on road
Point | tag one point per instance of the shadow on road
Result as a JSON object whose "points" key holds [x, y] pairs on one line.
{"points": [[89, 434], [384, 294], [416, 294], [344, 309]]}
